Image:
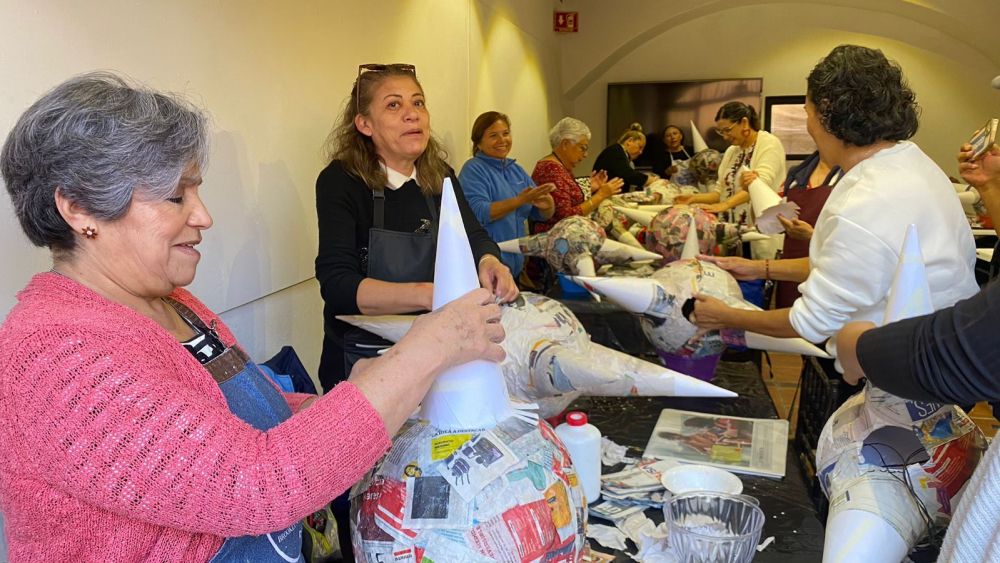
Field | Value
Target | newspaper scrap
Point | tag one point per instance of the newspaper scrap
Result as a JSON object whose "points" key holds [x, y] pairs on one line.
{"points": [[614, 511], [509, 494], [644, 476], [613, 453], [476, 464], [608, 536]]}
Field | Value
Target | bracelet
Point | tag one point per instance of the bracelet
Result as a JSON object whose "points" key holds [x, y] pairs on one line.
{"points": [[767, 269]]}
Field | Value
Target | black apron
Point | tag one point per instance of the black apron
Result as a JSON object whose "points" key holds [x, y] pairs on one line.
{"points": [[393, 256]]}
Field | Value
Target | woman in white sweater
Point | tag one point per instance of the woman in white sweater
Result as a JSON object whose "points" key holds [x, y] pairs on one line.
{"points": [[760, 151]]}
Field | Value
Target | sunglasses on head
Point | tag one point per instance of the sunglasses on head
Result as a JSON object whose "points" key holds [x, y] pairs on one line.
{"points": [[376, 67]]}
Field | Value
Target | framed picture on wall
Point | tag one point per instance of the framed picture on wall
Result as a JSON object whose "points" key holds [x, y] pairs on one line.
{"points": [[785, 118]]}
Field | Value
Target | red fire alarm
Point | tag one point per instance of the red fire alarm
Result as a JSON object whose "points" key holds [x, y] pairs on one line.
{"points": [[566, 22]]}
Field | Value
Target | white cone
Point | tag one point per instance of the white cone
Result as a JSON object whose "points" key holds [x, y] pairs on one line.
{"points": [[636, 295], [614, 251], [628, 238], [642, 217], [798, 346], [691, 249], [697, 141], [910, 294], [629, 375], [513, 246], [856, 535], [473, 395], [762, 197]]}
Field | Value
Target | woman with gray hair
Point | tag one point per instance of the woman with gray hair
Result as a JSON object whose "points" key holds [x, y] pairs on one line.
{"points": [[127, 407], [570, 141]]}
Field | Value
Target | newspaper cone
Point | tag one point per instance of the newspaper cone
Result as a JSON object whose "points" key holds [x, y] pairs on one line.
{"points": [[472, 395], [551, 360], [660, 300], [697, 141], [943, 447], [478, 478]]}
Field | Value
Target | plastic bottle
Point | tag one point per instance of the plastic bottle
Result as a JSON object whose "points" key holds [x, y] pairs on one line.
{"points": [[583, 442]]}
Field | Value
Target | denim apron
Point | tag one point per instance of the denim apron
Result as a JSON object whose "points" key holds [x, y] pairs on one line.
{"points": [[256, 401]]}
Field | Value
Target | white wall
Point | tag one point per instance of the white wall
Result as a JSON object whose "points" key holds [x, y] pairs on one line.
{"points": [[943, 48], [274, 76]]}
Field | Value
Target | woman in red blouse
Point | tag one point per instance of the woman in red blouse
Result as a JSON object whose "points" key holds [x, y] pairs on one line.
{"points": [[570, 139]]}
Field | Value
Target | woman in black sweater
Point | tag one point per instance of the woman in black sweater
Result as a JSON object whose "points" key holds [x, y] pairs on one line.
{"points": [[616, 159], [370, 262]]}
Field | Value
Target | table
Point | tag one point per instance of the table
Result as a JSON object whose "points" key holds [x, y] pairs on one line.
{"points": [[790, 516]]}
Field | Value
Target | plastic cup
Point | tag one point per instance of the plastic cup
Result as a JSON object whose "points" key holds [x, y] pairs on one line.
{"points": [[714, 527]]}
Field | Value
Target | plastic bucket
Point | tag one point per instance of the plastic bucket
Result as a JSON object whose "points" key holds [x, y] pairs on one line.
{"points": [[703, 368]]}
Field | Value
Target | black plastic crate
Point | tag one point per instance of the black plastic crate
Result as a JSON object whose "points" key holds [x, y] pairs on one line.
{"points": [[822, 391]]}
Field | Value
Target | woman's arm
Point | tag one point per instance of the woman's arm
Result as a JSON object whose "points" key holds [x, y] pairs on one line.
{"points": [[949, 356], [181, 459], [769, 160]]}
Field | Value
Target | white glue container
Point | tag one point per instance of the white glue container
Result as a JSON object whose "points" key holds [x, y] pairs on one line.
{"points": [[583, 442]]}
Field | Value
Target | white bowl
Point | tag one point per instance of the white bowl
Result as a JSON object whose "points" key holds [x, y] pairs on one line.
{"points": [[687, 478]]}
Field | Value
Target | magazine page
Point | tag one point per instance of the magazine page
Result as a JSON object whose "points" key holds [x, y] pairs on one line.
{"points": [[755, 446]]}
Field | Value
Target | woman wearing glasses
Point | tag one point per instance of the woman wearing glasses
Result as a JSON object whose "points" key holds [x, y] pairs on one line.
{"points": [[570, 141], [377, 203], [758, 150]]}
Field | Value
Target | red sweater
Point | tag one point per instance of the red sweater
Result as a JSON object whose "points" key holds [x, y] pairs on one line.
{"points": [[119, 446]]}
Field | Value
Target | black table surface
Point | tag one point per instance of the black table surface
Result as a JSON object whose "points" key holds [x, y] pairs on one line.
{"points": [[790, 515]]}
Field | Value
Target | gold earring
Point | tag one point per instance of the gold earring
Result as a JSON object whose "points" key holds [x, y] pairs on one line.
{"points": [[89, 232]]}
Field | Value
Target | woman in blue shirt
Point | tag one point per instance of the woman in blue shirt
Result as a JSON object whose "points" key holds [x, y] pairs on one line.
{"points": [[500, 192]]}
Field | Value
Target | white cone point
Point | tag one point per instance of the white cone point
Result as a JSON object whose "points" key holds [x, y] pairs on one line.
{"points": [[799, 346], [390, 327], [644, 218], [614, 249], [697, 141], [513, 246], [910, 294], [628, 238], [762, 197], [855, 535], [631, 376], [691, 250], [632, 294], [473, 395]]}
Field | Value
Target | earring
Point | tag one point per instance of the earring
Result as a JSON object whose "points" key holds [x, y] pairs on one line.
{"points": [[89, 232]]}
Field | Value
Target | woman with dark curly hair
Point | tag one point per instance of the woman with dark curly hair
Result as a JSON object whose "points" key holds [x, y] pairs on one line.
{"points": [[860, 112]]}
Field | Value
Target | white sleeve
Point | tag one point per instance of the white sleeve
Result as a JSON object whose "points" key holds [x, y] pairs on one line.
{"points": [[769, 161], [852, 272]]}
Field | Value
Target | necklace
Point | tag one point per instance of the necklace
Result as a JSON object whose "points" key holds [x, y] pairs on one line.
{"points": [[560, 161]]}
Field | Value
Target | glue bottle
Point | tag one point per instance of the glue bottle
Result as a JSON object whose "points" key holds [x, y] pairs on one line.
{"points": [[583, 442]]}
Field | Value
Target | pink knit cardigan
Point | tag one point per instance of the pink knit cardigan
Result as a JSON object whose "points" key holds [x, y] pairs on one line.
{"points": [[117, 445]]}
